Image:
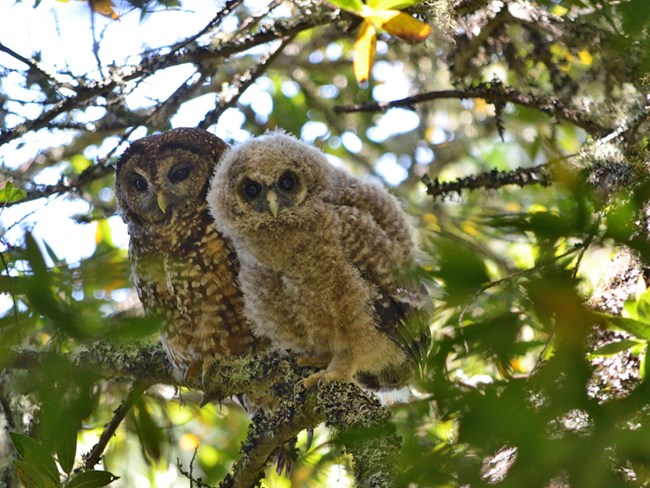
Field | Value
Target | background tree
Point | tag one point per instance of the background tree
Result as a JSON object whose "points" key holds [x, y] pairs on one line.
{"points": [[515, 135]]}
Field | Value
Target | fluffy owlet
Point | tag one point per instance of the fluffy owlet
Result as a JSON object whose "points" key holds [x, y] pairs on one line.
{"points": [[324, 257], [184, 270]]}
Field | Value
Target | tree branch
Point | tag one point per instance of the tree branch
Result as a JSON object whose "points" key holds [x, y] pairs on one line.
{"points": [[354, 415], [360, 421], [536, 175], [152, 63], [492, 93], [95, 454], [240, 84]]}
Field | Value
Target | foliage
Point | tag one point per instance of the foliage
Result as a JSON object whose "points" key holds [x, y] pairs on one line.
{"points": [[528, 122]]}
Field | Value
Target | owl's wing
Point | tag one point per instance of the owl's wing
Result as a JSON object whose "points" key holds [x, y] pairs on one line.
{"points": [[385, 256], [375, 202], [151, 284]]}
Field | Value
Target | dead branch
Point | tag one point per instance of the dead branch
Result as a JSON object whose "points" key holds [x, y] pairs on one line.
{"points": [[494, 93]]}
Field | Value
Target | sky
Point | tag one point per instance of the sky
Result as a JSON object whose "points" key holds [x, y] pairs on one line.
{"points": [[61, 32]]}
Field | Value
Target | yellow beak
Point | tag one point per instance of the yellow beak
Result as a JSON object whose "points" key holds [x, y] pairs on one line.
{"points": [[272, 198], [162, 203]]}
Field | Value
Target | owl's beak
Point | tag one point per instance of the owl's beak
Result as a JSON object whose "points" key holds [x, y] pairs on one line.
{"points": [[162, 202], [272, 199]]}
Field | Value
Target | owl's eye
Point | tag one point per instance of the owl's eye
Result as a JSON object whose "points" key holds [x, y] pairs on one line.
{"points": [[177, 175], [287, 182], [140, 183], [252, 189]]}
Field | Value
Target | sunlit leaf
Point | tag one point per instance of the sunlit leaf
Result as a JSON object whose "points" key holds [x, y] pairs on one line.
{"points": [[35, 455], [400, 25], [91, 479], [364, 52], [635, 327], [349, 5], [80, 162], [643, 306], [585, 57], [615, 347], [391, 4], [10, 194]]}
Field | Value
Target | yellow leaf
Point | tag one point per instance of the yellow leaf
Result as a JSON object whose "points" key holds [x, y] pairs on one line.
{"points": [[585, 57], [364, 52], [470, 228], [400, 25], [105, 8]]}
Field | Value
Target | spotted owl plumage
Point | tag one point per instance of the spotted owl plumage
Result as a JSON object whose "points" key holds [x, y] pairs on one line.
{"points": [[325, 259], [183, 268]]}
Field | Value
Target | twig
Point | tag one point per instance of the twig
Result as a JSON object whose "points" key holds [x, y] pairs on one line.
{"points": [[491, 93], [536, 175], [282, 29], [95, 454], [511, 277], [92, 173], [34, 65], [228, 7], [11, 289], [240, 84]]}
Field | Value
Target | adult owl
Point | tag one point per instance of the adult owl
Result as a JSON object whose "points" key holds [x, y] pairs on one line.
{"points": [[325, 258], [184, 270]]}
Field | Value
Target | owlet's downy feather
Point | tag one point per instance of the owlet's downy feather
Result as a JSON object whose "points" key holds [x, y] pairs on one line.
{"points": [[325, 260]]}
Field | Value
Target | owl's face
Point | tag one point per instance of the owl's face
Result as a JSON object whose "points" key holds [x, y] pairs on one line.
{"points": [[164, 177], [267, 182]]}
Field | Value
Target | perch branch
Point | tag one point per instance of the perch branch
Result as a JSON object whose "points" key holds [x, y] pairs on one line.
{"points": [[342, 406], [492, 93], [350, 411]]}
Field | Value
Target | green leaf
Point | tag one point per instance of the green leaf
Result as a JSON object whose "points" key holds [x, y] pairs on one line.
{"points": [[80, 162], [66, 447], [35, 455], [636, 15], [148, 432], [35, 258], [643, 307], [461, 269], [635, 327], [32, 477], [354, 6], [91, 479], [391, 4], [615, 347], [11, 194]]}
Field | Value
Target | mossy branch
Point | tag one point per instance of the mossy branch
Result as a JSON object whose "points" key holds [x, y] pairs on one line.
{"points": [[359, 421]]}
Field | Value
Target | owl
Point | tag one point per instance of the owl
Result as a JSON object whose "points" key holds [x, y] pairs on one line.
{"points": [[184, 270], [325, 258]]}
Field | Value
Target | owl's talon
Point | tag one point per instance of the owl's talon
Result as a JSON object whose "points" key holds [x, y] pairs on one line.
{"points": [[192, 371], [325, 376]]}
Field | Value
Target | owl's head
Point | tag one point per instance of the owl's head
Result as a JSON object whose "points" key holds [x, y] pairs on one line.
{"points": [[164, 177], [265, 181]]}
